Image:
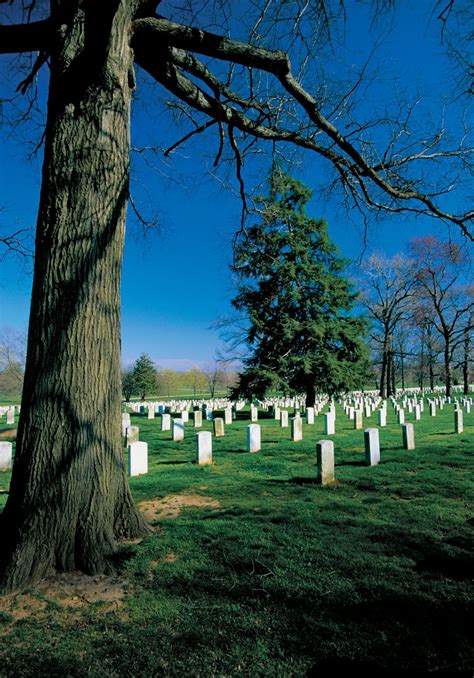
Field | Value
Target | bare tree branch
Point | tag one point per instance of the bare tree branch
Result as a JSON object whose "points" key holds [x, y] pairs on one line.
{"points": [[357, 174]]}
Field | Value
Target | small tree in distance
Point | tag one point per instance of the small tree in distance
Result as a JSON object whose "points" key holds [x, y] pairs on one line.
{"points": [[144, 377], [195, 379], [302, 333], [128, 386]]}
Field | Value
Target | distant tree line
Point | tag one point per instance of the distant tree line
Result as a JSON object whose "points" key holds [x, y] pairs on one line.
{"points": [[144, 380], [405, 321]]}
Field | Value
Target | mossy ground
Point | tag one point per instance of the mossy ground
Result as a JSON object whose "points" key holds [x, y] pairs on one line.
{"points": [[279, 576]]}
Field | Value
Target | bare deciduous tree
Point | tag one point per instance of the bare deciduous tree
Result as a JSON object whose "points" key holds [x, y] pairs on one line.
{"points": [[387, 288], [12, 361], [440, 268]]}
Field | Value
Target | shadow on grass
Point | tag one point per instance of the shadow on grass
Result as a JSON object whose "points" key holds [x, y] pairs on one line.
{"points": [[350, 463], [443, 565], [345, 666], [175, 462], [296, 481]]}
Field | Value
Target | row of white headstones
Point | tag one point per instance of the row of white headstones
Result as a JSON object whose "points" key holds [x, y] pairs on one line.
{"points": [[355, 408]]}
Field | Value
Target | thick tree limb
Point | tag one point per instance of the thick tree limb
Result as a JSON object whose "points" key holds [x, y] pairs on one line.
{"points": [[170, 76], [33, 37], [355, 171], [162, 30]]}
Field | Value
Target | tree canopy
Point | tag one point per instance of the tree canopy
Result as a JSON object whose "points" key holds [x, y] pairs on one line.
{"points": [[302, 333]]}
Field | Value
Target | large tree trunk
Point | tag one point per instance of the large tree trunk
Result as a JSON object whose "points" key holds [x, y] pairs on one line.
{"points": [[383, 372], [431, 355], [421, 374], [310, 395], [402, 366], [447, 364], [466, 359], [392, 373], [69, 500], [389, 374], [432, 380]]}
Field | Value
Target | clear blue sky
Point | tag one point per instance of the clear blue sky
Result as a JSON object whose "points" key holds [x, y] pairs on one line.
{"points": [[176, 282]]}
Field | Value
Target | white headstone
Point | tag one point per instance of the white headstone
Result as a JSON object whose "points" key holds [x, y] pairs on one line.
{"points": [[296, 429], [165, 422], [11, 416], [218, 427], [185, 416], [137, 458], [358, 419], [284, 418], [151, 412], [329, 424], [178, 430], [310, 415], [204, 447], [197, 419], [253, 413], [6, 452], [325, 462], [372, 446], [132, 434], [228, 415], [408, 435], [382, 417], [126, 422], [458, 421], [253, 437], [401, 416]]}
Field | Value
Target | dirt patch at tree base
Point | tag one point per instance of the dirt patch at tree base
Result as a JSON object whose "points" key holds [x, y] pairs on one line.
{"points": [[67, 591], [172, 505], [9, 433]]}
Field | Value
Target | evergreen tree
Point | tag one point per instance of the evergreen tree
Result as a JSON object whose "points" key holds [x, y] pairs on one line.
{"points": [[128, 385], [302, 333], [144, 376]]}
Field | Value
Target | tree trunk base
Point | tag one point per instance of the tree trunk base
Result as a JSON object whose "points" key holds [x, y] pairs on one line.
{"points": [[34, 548]]}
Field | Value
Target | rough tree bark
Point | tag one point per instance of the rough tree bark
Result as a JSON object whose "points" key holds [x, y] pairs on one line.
{"points": [[466, 360], [447, 364], [69, 500], [383, 391], [310, 395]]}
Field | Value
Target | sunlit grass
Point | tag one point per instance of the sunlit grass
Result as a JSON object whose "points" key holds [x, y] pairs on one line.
{"points": [[282, 577]]}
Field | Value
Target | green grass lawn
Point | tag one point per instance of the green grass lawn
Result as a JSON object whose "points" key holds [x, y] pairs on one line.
{"points": [[265, 573]]}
